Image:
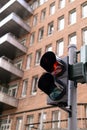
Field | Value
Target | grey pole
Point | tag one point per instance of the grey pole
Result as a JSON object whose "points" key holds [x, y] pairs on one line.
{"points": [[72, 92]]}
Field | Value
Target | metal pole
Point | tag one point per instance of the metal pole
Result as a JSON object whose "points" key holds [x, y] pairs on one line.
{"points": [[72, 92]]}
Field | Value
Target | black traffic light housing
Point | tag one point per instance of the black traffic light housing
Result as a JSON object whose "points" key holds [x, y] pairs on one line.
{"points": [[55, 82]]}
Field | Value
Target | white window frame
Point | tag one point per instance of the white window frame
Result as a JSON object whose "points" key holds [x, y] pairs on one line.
{"points": [[84, 10], [73, 38], [41, 2], [34, 5], [71, 0], [24, 88], [6, 125], [42, 117], [35, 20], [11, 89], [52, 8], [61, 23], [43, 14], [18, 64], [29, 60], [19, 124], [34, 85], [60, 47], [38, 56], [30, 119], [41, 33], [49, 47], [84, 36], [32, 38], [57, 114], [23, 41], [62, 3], [50, 28], [72, 17]]}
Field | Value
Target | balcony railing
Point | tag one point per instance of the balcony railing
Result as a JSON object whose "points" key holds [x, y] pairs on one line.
{"points": [[8, 71], [20, 7], [10, 47], [15, 25], [7, 101]]}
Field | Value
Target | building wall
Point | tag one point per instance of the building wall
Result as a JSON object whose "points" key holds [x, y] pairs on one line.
{"points": [[35, 104]]}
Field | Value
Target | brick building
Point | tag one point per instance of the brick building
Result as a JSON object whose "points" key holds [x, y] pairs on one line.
{"points": [[27, 30]]}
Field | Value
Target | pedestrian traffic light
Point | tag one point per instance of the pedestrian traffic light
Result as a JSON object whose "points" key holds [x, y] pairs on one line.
{"points": [[54, 82]]}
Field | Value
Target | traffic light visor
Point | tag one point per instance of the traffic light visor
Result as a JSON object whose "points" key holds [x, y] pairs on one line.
{"points": [[51, 64], [47, 61]]}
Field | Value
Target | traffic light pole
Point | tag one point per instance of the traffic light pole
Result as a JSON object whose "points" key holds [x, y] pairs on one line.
{"points": [[72, 95]]}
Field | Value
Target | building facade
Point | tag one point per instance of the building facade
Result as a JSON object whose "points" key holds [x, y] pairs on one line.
{"points": [[28, 29]]}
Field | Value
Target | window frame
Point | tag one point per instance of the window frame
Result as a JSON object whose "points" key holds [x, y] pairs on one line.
{"points": [[52, 8], [72, 37], [24, 88], [72, 14], [29, 60], [61, 21], [50, 28], [84, 15], [34, 85], [41, 34], [59, 51]]}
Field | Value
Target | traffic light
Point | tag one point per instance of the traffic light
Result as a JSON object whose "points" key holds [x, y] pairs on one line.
{"points": [[54, 82]]}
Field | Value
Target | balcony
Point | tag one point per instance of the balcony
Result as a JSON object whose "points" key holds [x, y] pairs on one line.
{"points": [[19, 7], [7, 102], [8, 71], [10, 47], [15, 25], [3, 2]]}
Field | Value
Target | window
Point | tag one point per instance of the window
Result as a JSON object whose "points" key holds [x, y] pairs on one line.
{"points": [[29, 59], [62, 3], [34, 85], [71, 0], [86, 111], [72, 38], [35, 20], [42, 117], [19, 124], [72, 16], [41, 32], [5, 124], [84, 35], [23, 41], [18, 64], [49, 48], [30, 121], [38, 56], [60, 47], [42, 1], [34, 4], [50, 28], [56, 115], [84, 10], [43, 14], [24, 88], [61, 23], [32, 38], [52, 8], [12, 91]]}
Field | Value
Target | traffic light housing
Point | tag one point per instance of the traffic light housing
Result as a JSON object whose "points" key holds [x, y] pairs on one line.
{"points": [[54, 82]]}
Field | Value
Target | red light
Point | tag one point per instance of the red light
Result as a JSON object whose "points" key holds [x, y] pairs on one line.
{"points": [[57, 68]]}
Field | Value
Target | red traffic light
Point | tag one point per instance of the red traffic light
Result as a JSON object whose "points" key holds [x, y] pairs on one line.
{"points": [[51, 64]]}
